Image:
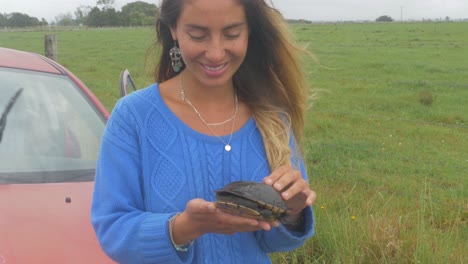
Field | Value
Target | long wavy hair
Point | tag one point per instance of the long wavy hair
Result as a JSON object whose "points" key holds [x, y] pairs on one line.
{"points": [[270, 79]]}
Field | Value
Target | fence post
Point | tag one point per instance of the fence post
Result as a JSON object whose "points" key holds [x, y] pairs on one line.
{"points": [[50, 44]]}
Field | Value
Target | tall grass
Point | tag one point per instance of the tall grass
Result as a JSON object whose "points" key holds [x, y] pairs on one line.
{"points": [[386, 141]]}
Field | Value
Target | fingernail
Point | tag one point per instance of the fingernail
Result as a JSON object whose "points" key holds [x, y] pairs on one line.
{"points": [[278, 186], [285, 195]]}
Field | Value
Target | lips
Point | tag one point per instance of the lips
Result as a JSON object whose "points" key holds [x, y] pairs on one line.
{"points": [[214, 70]]}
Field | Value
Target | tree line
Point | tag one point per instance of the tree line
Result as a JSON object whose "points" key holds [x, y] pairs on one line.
{"points": [[103, 14]]}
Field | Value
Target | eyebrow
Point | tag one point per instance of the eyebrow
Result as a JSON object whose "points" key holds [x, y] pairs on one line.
{"points": [[194, 26]]}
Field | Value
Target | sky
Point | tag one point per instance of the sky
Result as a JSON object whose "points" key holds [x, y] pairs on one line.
{"points": [[314, 10]]}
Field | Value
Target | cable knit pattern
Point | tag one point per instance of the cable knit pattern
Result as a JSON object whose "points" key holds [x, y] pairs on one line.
{"points": [[151, 164]]}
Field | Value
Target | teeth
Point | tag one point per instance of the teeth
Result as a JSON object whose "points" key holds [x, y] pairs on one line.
{"points": [[214, 68]]}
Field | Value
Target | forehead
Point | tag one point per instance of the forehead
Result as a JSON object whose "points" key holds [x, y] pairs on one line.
{"points": [[212, 13]]}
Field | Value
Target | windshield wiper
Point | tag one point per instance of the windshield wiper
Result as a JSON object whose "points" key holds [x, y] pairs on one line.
{"points": [[7, 110]]}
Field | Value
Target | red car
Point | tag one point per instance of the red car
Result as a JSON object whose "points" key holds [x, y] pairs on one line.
{"points": [[50, 131]]}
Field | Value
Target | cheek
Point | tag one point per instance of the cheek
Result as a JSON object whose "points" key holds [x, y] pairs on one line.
{"points": [[237, 48], [241, 48], [190, 49]]}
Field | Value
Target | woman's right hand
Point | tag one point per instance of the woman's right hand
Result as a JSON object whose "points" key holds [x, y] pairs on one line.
{"points": [[201, 217]]}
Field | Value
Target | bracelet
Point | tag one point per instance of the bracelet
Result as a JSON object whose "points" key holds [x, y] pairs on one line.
{"points": [[181, 248]]}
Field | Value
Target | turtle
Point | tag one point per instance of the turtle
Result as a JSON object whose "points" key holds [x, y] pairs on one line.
{"points": [[251, 199]]}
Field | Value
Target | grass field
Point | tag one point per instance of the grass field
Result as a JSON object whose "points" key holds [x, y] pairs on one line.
{"points": [[386, 141]]}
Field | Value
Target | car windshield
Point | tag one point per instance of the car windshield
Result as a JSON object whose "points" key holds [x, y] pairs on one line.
{"points": [[51, 131]]}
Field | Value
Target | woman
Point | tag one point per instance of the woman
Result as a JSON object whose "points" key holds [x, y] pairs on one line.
{"points": [[228, 105]]}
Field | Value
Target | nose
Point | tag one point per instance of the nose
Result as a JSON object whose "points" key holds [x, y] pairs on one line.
{"points": [[216, 51]]}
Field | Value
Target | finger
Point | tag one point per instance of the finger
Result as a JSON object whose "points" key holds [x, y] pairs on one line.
{"points": [[299, 203], [211, 207], [268, 225], [265, 226], [312, 197], [200, 206], [246, 229], [243, 226], [236, 220], [297, 188], [287, 179], [275, 175], [275, 224]]}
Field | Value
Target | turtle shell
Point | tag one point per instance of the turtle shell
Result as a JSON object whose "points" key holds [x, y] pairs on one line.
{"points": [[251, 199]]}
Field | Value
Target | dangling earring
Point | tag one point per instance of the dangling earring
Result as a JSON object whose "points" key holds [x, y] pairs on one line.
{"points": [[176, 58]]}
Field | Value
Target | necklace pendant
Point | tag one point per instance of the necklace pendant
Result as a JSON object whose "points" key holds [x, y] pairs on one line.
{"points": [[227, 147]]}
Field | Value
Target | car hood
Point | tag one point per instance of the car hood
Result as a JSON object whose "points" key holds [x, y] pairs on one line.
{"points": [[48, 223]]}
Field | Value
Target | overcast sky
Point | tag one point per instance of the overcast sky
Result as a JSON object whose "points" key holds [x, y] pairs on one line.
{"points": [[314, 10]]}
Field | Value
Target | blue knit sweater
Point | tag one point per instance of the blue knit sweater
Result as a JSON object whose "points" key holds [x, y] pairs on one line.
{"points": [[151, 164]]}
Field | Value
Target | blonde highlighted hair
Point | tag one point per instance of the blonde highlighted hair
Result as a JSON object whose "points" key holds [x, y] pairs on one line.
{"points": [[270, 80]]}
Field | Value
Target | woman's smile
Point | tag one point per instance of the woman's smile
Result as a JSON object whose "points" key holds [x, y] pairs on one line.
{"points": [[214, 70]]}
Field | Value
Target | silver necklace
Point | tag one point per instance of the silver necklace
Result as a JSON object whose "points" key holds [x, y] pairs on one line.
{"points": [[227, 145], [182, 95]]}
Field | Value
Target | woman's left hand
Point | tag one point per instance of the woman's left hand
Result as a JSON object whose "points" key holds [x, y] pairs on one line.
{"points": [[294, 190]]}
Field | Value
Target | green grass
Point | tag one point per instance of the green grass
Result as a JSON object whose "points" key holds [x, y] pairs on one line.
{"points": [[386, 141]]}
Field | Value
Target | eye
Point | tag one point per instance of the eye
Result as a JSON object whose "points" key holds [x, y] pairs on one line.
{"points": [[232, 36], [197, 37], [232, 32]]}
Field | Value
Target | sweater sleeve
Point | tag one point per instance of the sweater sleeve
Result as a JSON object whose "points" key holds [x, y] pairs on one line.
{"points": [[281, 239], [125, 230]]}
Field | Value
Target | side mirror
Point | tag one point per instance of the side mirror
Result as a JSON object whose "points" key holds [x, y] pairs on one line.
{"points": [[127, 85]]}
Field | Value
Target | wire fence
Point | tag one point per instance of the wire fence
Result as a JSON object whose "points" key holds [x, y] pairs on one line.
{"points": [[62, 28]]}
